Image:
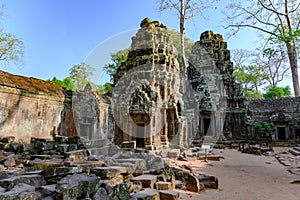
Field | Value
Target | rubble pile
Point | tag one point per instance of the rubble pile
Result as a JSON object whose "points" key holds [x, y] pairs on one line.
{"points": [[63, 168], [290, 159]]}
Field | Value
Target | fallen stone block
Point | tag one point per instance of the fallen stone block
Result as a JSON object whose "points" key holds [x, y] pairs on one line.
{"points": [[147, 181], [163, 186], [180, 185], [140, 163], [10, 162], [52, 175], [102, 151], [210, 157], [164, 153], [208, 181], [33, 180], [174, 153], [10, 173], [114, 181], [78, 155], [77, 186], [20, 191], [168, 195], [180, 173], [45, 164], [85, 166], [147, 194], [131, 167], [101, 193], [47, 190], [193, 184], [108, 172], [295, 151]]}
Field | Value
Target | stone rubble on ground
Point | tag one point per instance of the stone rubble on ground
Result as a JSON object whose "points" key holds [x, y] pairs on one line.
{"points": [[64, 168]]}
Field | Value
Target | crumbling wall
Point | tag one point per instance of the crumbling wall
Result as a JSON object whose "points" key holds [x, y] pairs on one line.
{"points": [[283, 115], [31, 107]]}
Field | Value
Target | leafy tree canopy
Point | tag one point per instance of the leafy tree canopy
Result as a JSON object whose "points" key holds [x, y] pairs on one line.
{"points": [[79, 75], [277, 92], [65, 83]]}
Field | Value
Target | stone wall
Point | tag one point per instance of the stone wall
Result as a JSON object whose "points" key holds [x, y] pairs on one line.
{"points": [[32, 107], [283, 115]]}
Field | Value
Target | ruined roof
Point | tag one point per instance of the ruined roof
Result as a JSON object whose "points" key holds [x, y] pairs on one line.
{"points": [[29, 84]]}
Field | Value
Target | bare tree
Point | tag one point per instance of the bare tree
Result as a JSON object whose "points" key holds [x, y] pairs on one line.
{"points": [[274, 62], [247, 73], [278, 19], [185, 9]]}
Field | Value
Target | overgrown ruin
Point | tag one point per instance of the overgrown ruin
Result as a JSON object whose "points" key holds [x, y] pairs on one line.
{"points": [[58, 144], [148, 86]]}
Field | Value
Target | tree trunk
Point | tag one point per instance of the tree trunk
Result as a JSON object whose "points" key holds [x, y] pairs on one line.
{"points": [[182, 19], [292, 54]]}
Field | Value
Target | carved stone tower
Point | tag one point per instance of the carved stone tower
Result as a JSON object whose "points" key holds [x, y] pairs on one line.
{"points": [[221, 105], [146, 98]]}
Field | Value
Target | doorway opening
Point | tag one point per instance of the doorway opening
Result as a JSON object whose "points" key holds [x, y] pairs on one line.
{"points": [[206, 123], [140, 136], [297, 134], [281, 133]]}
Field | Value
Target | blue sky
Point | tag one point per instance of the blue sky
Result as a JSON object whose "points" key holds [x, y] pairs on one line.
{"points": [[60, 33]]}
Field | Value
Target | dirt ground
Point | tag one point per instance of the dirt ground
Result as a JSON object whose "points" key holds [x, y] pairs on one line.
{"points": [[246, 177]]}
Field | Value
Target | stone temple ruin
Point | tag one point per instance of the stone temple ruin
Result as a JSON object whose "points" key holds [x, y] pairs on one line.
{"points": [[149, 107], [58, 144]]}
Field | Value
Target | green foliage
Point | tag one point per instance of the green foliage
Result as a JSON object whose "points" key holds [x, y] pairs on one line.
{"points": [[104, 89], [251, 77], [11, 49], [79, 75], [117, 59], [250, 94], [277, 92], [66, 83], [262, 129]]}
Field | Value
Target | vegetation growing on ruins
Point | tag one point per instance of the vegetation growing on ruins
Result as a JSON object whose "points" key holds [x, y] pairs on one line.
{"points": [[262, 129]]}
